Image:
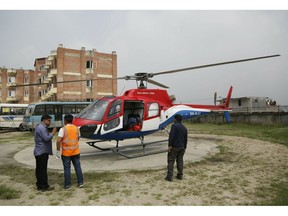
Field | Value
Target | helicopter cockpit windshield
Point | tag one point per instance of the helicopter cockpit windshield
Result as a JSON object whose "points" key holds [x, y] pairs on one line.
{"points": [[95, 111]]}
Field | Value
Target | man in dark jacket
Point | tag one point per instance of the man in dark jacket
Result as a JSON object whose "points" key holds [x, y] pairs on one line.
{"points": [[176, 148], [42, 150]]}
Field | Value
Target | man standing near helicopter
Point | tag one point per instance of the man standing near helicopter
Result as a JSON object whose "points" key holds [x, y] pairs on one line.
{"points": [[68, 140], [177, 144]]}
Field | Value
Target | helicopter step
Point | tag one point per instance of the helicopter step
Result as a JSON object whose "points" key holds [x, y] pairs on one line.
{"points": [[122, 149]]}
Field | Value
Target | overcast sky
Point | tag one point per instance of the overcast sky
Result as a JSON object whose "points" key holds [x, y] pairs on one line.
{"points": [[157, 40]]}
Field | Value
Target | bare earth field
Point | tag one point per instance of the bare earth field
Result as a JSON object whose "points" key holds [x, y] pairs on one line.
{"points": [[242, 172]]}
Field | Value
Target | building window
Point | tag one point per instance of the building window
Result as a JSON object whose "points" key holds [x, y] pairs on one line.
{"points": [[11, 79], [26, 79], [41, 67], [11, 93], [89, 64], [26, 93], [239, 102], [89, 83]]}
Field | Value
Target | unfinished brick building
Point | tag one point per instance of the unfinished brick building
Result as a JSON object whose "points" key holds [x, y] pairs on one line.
{"points": [[63, 64]]}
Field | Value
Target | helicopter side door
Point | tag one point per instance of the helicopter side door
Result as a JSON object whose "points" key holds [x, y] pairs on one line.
{"points": [[114, 117], [152, 116]]}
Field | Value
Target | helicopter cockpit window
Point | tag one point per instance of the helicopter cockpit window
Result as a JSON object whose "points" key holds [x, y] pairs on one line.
{"points": [[115, 108], [95, 111], [153, 109]]}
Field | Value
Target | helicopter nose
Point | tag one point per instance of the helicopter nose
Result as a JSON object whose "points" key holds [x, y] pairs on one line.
{"points": [[88, 130]]}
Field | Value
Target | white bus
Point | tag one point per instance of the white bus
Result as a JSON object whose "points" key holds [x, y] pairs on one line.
{"points": [[11, 115]]}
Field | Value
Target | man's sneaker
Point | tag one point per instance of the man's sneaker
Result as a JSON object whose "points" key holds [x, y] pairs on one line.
{"points": [[81, 185], [67, 187], [179, 177]]}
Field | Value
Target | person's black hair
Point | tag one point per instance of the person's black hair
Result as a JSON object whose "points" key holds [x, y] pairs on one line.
{"points": [[45, 117], [178, 117], [68, 118]]}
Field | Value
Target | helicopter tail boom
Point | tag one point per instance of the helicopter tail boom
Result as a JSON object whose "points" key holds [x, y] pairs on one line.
{"points": [[216, 108]]}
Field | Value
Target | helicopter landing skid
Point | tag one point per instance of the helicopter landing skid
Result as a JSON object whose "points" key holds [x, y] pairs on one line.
{"points": [[95, 146], [119, 149]]}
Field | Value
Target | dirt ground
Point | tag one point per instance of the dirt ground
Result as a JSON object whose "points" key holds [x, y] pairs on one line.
{"points": [[241, 173]]}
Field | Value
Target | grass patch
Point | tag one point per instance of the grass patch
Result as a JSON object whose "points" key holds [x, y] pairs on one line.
{"points": [[102, 177], [279, 190], [8, 193], [276, 134], [281, 198], [24, 137]]}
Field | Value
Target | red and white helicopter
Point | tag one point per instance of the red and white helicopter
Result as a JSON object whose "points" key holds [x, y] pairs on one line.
{"points": [[151, 110]]}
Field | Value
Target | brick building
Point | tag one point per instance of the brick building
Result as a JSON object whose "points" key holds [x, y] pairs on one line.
{"points": [[11, 77], [53, 72]]}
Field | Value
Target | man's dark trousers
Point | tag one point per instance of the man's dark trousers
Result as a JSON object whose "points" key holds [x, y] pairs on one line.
{"points": [[41, 171], [175, 154]]}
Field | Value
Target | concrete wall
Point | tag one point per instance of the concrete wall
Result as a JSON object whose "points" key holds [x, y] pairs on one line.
{"points": [[280, 118]]}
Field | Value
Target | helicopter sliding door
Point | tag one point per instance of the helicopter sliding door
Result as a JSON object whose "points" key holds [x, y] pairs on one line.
{"points": [[114, 118], [132, 108]]}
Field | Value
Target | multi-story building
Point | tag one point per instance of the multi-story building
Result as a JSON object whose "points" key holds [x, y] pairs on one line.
{"points": [[65, 75], [9, 79], [75, 75]]}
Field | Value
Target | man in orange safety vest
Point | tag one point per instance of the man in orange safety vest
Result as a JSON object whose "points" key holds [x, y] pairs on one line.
{"points": [[68, 141]]}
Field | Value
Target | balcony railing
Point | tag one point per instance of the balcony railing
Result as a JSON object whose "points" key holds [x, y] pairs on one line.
{"points": [[49, 94], [53, 53], [9, 84], [11, 99], [11, 71]]}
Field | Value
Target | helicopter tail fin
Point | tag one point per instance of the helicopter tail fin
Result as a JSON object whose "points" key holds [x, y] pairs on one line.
{"points": [[226, 104], [227, 101]]}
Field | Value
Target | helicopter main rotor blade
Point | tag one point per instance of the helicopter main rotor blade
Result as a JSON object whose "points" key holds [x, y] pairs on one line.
{"points": [[70, 81], [157, 83], [211, 65]]}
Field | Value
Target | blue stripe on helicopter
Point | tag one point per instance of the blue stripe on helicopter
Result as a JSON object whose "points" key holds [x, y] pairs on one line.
{"points": [[186, 114]]}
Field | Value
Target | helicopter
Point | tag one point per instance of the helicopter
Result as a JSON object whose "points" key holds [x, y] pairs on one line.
{"points": [[151, 110]]}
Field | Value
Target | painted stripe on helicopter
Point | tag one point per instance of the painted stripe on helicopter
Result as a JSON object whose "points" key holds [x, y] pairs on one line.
{"points": [[186, 114]]}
